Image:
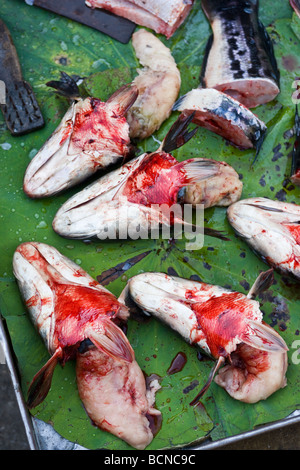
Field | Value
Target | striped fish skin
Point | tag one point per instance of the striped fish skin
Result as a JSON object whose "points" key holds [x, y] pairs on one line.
{"points": [[295, 169], [164, 17], [271, 229], [223, 115], [239, 58], [226, 325]]}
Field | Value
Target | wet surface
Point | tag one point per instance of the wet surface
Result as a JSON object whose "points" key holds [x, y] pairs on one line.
{"points": [[13, 436]]}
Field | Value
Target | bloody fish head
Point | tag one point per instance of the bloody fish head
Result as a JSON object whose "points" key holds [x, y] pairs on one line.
{"points": [[67, 306], [92, 135], [129, 196], [220, 322], [271, 229]]}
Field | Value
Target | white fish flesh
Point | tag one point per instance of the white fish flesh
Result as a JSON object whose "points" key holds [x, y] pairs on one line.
{"points": [[226, 325], [239, 58], [158, 84], [163, 16], [92, 135], [271, 229], [115, 396], [222, 189], [223, 115]]}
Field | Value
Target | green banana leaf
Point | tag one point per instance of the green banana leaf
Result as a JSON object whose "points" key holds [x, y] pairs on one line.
{"points": [[48, 44]]}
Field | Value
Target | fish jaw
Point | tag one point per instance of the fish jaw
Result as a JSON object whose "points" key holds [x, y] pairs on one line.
{"points": [[158, 84], [92, 135], [65, 304], [253, 375], [164, 18], [114, 396], [223, 115], [271, 229]]}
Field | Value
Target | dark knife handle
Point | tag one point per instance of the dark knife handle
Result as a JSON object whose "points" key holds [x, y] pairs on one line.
{"points": [[20, 108]]}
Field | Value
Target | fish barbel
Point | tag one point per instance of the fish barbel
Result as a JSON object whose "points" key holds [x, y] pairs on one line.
{"points": [[67, 306], [239, 58], [132, 194], [158, 84], [271, 229], [92, 135], [116, 397], [226, 325], [223, 115], [163, 16]]}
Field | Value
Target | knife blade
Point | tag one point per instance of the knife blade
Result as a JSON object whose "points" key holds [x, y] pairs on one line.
{"points": [[104, 21]]}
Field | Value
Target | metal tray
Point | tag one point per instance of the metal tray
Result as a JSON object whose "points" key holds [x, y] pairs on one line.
{"points": [[42, 436]]}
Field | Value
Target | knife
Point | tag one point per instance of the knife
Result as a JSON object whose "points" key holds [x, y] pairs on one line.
{"points": [[18, 102], [104, 21]]}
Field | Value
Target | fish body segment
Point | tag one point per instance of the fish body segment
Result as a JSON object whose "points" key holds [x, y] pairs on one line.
{"points": [[239, 58]]}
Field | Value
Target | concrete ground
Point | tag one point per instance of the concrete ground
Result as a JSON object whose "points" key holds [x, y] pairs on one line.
{"points": [[13, 436]]}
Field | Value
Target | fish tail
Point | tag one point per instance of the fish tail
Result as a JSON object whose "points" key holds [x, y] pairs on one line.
{"points": [[179, 134], [112, 341], [264, 338], [123, 99], [66, 86], [41, 382]]}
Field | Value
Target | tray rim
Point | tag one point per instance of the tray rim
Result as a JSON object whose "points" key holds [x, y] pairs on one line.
{"points": [[30, 429]]}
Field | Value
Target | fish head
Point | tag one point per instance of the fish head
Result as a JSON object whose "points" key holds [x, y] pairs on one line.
{"points": [[92, 135], [271, 228]]}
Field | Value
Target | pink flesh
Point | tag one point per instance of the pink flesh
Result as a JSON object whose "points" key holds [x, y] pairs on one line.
{"points": [[114, 396], [141, 16]]}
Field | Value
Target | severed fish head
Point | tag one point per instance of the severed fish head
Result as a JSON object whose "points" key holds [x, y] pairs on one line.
{"points": [[272, 230], [223, 323], [67, 306], [92, 135], [126, 201]]}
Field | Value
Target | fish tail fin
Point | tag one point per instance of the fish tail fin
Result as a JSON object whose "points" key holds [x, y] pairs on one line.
{"points": [[41, 382], [264, 338], [123, 99], [112, 341], [66, 86], [179, 134]]}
